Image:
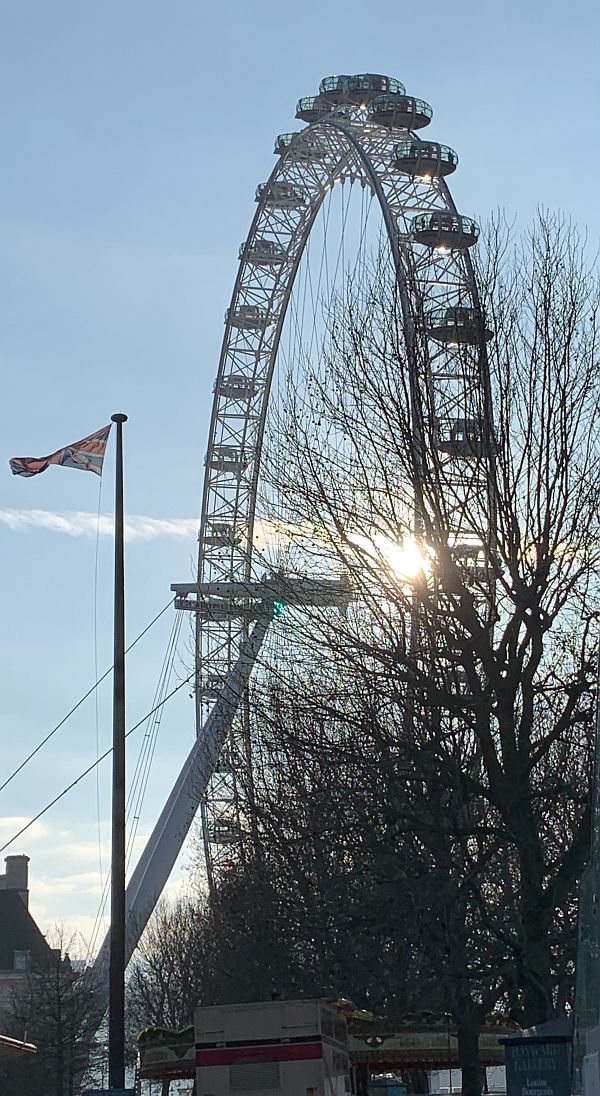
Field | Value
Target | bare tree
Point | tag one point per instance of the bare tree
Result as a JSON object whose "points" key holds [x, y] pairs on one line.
{"points": [[422, 762], [380, 857], [56, 1009], [479, 665], [168, 976]]}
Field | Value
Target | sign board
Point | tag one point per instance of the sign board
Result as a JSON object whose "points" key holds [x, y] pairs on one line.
{"points": [[538, 1066]]}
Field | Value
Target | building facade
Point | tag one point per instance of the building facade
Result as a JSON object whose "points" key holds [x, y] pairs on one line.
{"points": [[22, 944]]}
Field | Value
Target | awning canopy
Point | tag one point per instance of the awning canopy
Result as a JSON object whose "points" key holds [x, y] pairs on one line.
{"points": [[419, 1048], [382, 1045], [11, 1048]]}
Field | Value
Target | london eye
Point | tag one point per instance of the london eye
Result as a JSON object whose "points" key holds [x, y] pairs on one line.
{"points": [[361, 133], [357, 175]]}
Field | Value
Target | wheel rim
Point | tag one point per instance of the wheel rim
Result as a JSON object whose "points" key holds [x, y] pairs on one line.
{"points": [[349, 146]]}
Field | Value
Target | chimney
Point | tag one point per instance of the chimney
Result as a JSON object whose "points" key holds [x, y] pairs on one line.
{"points": [[17, 876]]}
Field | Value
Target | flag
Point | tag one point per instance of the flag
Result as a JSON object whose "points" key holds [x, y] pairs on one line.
{"points": [[87, 454]]}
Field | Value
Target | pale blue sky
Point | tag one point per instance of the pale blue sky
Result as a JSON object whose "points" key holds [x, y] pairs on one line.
{"points": [[133, 136]]}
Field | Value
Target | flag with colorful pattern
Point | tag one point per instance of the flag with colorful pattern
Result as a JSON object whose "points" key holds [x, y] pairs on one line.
{"points": [[87, 454]]}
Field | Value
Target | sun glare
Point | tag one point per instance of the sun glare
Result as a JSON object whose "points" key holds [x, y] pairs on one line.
{"points": [[407, 560]]}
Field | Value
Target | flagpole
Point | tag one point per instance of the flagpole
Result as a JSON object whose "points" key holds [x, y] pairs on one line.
{"points": [[116, 1007]]}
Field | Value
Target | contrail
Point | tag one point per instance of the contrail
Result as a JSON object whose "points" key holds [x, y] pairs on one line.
{"points": [[80, 523], [268, 531]]}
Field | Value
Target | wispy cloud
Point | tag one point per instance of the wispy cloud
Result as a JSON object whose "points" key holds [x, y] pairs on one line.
{"points": [[268, 531], [80, 523], [9, 824], [66, 885]]}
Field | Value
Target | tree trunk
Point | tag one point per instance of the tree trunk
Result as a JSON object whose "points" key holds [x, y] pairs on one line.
{"points": [[468, 1054], [416, 1080], [535, 967], [362, 1079], [536, 970]]}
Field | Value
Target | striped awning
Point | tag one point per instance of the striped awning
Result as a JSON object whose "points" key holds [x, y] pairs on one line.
{"points": [[11, 1048]]}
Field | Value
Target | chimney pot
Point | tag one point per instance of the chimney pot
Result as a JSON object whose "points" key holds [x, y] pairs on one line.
{"points": [[17, 876]]}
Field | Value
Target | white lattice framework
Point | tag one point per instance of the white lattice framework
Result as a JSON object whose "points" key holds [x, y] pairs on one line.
{"points": [[345, 144]]}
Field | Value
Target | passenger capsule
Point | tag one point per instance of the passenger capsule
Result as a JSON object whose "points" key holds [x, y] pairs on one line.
{"points": [[312, 107], [303, 146], [229, 460], [472, 561], [222, 534], [359, 89], [427, 159], [334, 89], [363, 87], [222, 833], [263, 253], [460, 438], [402, 111], [457, 324], [237, 386], [281, 195], [441, 228], [248, 317], [283, 142]]}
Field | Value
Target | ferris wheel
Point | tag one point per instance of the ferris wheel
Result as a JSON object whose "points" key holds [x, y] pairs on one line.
{"points": [[358, 162], [362, 133]]}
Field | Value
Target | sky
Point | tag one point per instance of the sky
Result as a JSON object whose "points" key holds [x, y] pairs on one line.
{"points": [[134, 134]]}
